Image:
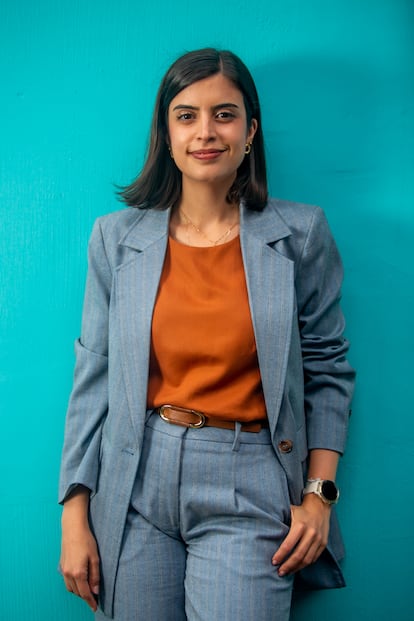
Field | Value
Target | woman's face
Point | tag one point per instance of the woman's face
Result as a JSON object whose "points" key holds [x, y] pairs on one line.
{"points": [[208, 130]]}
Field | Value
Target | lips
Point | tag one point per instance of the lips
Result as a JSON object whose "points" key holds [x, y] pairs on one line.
{"points": [[207, 154]]}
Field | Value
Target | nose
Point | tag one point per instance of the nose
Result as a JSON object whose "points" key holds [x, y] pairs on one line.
{"points": [[206, 128]]}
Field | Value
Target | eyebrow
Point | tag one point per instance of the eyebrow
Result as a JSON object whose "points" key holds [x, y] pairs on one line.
{"points": [[216, 107]]}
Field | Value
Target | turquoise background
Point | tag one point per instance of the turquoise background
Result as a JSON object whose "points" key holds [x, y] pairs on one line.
{"points": [[77, 84]]}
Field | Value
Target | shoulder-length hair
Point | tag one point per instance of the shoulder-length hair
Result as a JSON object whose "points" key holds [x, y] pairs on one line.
{"points": [[159, 184]]}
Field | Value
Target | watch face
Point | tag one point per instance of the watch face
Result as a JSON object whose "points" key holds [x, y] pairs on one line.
{"points": [[329, 490]]}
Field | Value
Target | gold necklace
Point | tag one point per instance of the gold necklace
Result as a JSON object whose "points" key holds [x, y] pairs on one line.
{"points": [[200, 232]]}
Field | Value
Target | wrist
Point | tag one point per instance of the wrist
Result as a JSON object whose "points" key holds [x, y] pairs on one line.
{"points": [[324, 489], [313, 502], [76, 507]]}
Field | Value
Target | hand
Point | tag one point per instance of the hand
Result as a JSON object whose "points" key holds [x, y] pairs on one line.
{"points": [[307, 537], [79, 561]]}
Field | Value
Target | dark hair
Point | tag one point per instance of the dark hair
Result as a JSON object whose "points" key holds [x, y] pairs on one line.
{"points": [[159, 183]]}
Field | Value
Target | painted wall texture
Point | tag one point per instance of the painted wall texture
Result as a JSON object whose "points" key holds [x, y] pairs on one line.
{"points": [[78, 82]]}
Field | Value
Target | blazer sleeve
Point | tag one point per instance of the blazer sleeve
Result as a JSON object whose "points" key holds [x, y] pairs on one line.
{"points": [[88, 403], [328, 377]]}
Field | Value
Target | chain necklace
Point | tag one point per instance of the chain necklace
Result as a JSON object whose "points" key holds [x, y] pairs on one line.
{"points": [[200, 232]]}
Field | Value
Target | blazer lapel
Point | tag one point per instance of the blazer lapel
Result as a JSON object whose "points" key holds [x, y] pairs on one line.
{"points": [[270, 285], [137, 282]]}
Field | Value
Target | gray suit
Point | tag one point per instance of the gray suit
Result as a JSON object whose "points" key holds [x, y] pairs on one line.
{"points": [[293, 273]]}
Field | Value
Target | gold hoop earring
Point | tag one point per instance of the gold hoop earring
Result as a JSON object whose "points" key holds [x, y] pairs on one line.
{"points": [[248, 148]]}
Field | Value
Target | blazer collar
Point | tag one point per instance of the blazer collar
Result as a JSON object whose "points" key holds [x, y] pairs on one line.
{"points": [[150, 225], [266, 225]]}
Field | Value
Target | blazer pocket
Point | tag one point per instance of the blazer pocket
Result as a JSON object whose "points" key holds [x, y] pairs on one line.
{"points": [[79, 346]]}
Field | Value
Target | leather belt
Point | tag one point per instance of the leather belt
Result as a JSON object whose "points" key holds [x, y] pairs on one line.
{"points": [[195, 419]]}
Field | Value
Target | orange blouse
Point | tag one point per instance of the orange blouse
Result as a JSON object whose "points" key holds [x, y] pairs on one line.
{"points": [[203, 350]]}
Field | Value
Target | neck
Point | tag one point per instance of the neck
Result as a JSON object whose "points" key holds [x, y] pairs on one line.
{"points": [[206, 203], [204, 217]]}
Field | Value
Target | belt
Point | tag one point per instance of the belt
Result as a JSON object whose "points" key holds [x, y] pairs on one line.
{"points": [[194, 419]]}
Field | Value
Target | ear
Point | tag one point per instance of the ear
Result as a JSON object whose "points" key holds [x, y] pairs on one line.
{"points": [[252, 130]]}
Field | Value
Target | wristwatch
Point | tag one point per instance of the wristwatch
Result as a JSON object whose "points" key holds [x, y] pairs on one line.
{"points": [[325, 489]]}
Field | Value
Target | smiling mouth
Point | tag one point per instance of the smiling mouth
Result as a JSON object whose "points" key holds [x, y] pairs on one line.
{"points": [[207, 154]]}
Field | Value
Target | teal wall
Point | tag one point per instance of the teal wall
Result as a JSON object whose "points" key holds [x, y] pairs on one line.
{"points": [[77, 85]]}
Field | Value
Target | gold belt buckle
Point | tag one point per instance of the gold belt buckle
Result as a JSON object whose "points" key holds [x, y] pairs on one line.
{"points": [[201, 418]]}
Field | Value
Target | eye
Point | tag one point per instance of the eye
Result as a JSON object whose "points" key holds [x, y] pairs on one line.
{"points": [[185, 116], [225, 115]]}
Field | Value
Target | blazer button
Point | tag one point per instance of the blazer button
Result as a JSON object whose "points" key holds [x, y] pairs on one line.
{"points": [[285, 446]]}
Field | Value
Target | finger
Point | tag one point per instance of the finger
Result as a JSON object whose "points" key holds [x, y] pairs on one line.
{"points": [[305, 554], [77, 583], [296, 558], [317, 554], [94, 576], [287, 545], [71, 586], [86, 594]]}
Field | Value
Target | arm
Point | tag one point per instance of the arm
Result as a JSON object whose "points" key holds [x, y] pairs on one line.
{"points": [[308, 534], [79, 561], [86, 414], [328, 385], [88, 402]]}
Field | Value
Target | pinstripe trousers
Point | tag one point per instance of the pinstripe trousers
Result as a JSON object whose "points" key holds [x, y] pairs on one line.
{"points": [[209, 509]]}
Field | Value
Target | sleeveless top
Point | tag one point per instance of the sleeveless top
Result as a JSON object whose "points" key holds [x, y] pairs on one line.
{"points": [[203, 351]]}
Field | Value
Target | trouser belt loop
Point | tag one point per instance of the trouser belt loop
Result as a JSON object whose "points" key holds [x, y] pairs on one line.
{"points": [[236, 441]]}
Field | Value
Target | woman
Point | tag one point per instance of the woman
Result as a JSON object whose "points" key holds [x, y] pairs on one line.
{"points": [[211, 392]]}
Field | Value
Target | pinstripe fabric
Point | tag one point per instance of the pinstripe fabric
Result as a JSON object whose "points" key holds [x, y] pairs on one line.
{"points": [[293, 274], [208, 513]]}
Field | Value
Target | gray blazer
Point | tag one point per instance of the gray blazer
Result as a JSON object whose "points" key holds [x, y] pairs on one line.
{"points": [[293, 273]]}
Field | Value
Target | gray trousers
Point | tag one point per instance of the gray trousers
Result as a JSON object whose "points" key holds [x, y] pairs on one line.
{"points": [[209, 509]]}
